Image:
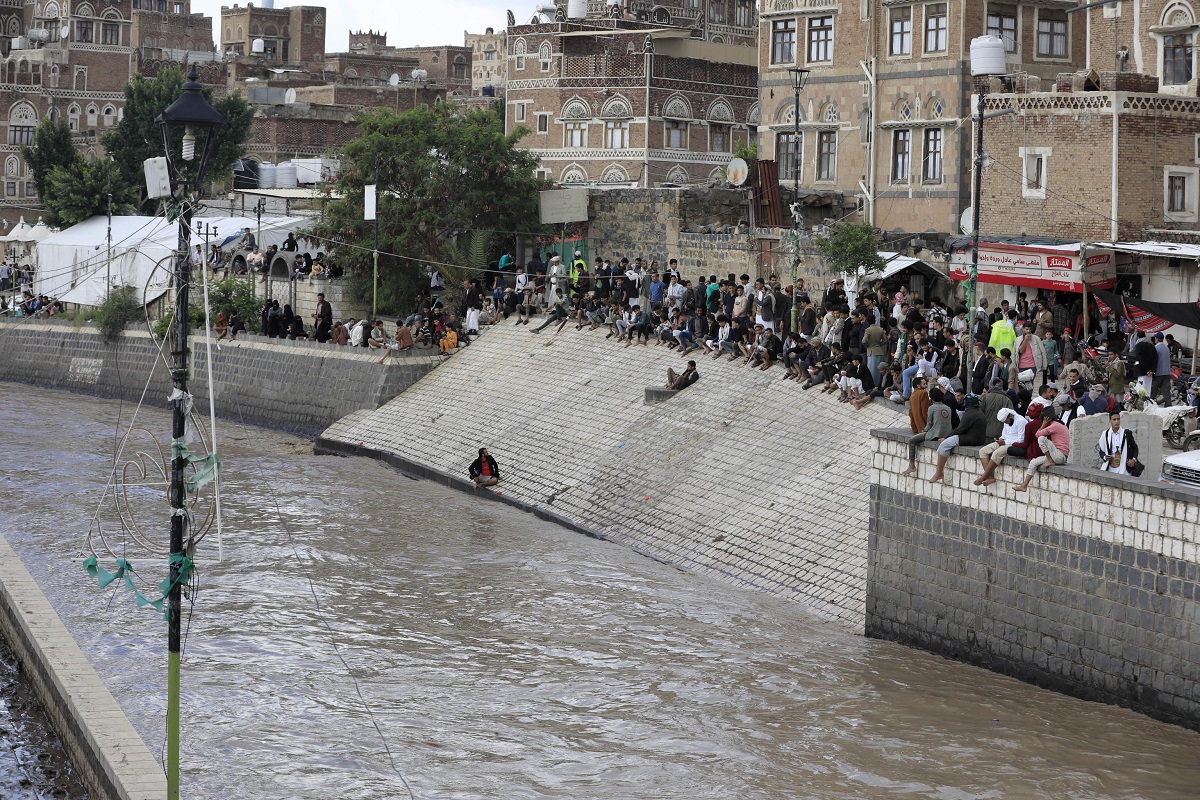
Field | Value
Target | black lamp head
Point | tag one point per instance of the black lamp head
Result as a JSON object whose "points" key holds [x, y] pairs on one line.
{"points": [[799, 77], [191, 109]]}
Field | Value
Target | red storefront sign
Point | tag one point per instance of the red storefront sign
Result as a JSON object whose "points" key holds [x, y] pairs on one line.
{"points": [[1044, 267]]}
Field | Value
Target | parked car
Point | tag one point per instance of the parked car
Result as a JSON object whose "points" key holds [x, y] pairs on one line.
{"points": [[1183, 468]]}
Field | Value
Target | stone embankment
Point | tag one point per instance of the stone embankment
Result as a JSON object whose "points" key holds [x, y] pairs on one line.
{"points": [[294, 385], [742, 476]]}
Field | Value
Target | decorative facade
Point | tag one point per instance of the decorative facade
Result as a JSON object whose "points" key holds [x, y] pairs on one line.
{"points": [[883, 126], [489, 55], [1113, 152], [660, 96]]}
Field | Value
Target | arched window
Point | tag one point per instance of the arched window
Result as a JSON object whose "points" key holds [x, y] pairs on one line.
{"points": [[460, 67], [73, 116], [22, 120], [12, 167], [110, 116], [92, 114], [85, 10]]}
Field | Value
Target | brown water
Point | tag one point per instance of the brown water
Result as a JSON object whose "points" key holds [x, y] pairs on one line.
{"points": [[497, 656]]}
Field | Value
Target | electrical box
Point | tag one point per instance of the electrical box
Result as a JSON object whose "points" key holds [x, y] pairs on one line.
{"points": [[158, 178]]}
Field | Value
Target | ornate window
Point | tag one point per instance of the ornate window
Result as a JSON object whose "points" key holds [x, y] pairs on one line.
{"points": [[575, 108], [677, 107], [574, 174], [678, 174], [22, 121], [720, 111], [616, 107], [92, 114], [615, 173]]}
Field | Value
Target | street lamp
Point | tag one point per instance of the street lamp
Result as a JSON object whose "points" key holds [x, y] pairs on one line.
{"points": [[799, 78], [988, 59], [192, 115]]}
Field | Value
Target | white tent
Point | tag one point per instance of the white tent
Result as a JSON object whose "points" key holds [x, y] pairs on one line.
{"points": [[73, 264]]}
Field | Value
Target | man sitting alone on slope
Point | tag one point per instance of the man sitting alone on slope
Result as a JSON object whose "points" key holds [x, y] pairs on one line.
{"points": [[483, 470]]}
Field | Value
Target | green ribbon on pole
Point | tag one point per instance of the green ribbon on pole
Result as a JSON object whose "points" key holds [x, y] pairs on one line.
{"points": [[125, 574], [208, 470]]}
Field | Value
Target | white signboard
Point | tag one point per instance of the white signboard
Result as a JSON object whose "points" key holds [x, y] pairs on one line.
{"points": [[369, 202], [557, 206]]}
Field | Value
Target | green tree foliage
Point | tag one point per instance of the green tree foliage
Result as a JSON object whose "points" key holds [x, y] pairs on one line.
{"points": [[121, 307], [79, 191], [138, 137], [51, 148], [848, 247], [442, 172]]}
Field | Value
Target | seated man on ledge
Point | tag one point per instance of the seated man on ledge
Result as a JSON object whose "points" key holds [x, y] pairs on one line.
{"points": [[483, 470], [684, 379]]}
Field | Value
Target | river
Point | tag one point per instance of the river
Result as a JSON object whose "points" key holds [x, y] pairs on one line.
{"points": [[370, 636]]}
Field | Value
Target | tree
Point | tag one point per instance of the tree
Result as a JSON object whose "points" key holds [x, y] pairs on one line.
{"points": [[138, 137], [848, 247], [51, 148], [79, 190], [442, 172]]}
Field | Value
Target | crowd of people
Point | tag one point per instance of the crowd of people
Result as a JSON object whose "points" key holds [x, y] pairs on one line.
{"points": [[1010, 378]]}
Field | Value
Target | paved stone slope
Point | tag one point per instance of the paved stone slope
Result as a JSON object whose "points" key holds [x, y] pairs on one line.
{"points": [[744, 475]]}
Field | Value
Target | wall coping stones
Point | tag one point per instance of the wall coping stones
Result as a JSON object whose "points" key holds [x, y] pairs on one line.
{"points": [[1150, 486]]}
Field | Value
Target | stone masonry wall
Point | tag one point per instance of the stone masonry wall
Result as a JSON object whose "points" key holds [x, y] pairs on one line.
{"points": [[293, 385], [743, 476], [1089, 584]]}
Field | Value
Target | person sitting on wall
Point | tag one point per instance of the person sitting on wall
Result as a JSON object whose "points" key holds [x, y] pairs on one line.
{"points": [[970, 432], [402, 341], [1054, 442], [483, 470], [937, 427], [684, 379], [1118, 449], [1011, 435]]}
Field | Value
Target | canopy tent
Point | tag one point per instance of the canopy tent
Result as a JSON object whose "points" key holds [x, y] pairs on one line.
{"points": [[1049, 264], [1147, 316], [73, 264], [894, 264]]}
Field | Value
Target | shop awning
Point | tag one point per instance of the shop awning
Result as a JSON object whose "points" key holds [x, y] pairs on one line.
{"points": [[895, 263], [1156, 249], [1146, 315], [1038, 266]]}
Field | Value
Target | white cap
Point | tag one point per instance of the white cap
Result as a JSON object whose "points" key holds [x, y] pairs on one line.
{"points": [[578, 253]]}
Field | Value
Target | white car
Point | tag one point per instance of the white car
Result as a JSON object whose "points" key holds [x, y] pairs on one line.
{"points": [[1183, 468]]}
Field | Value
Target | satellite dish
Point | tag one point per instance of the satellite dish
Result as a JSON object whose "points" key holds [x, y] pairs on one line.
{"points": [[737, 171], [967, 220], [394, 80], [289, 96], [64, 32]]}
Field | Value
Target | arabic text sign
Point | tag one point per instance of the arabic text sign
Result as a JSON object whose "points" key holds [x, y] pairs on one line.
{"points": [[1040, 269]]}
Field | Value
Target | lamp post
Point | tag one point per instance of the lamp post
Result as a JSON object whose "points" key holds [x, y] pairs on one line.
{"points": [[191, 113], [799, 78]]}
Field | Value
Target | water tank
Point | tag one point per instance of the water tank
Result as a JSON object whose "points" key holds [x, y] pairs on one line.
{"points": [[576, 9], [419, 75], [988, 56], [258, 47], [266, 176], [285, 176]]}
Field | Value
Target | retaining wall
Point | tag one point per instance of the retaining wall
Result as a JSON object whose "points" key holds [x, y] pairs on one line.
{"points": [[743, 476], [111, 758], [1088, 584], [294, 385]]}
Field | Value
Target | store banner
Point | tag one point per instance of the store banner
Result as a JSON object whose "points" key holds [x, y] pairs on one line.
{"points": [[1046, 267]]}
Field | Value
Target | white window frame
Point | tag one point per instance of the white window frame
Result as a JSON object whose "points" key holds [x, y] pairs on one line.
{"points": [[827, 30], [1197, 149], [575, 134], [520, 112], [941, 156], [777, 28], [1174, 88], [944, 31], [894, 17], [1028, 190], [1038, 33], [676, 125], [1192, 177], [720, 127], [999, 30], [616, 134], [543, 123], [901, 165]]}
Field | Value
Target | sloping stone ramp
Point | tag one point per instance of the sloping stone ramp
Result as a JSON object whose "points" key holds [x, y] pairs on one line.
{"points": [[743, 476]]}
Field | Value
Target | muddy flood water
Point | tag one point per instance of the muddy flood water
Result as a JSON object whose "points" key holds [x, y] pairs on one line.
{"points": [[371, 636]]}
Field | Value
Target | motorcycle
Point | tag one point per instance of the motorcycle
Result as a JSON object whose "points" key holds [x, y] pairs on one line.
{"points": [[1175, 422]]}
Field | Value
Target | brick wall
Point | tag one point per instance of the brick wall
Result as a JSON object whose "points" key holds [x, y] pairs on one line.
{"points": [[651, 222], [1096, 598]]}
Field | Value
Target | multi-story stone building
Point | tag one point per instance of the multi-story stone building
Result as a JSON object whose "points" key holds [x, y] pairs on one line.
{"points": [[883, 126], [1112, 154], [489, 58], [72, 61], [661, 95]]}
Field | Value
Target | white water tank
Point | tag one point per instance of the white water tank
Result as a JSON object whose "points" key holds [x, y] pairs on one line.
{"points": [[988, 56], [266, 176], [308, 170], [285, 176], [577, 9]]}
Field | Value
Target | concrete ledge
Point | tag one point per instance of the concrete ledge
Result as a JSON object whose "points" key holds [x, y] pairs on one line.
{"points": [[112, 759], [1147, 484], [657, 394]]}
